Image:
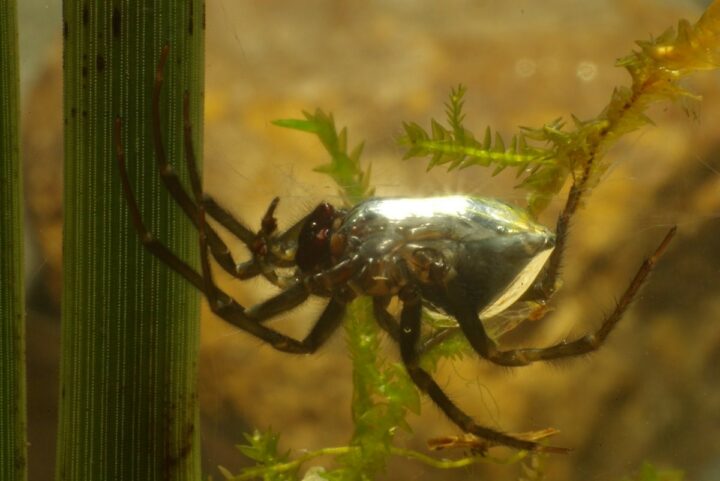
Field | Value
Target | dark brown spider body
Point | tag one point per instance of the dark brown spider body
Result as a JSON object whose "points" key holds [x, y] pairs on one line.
{"points": [[468, 257], [314, 249]]}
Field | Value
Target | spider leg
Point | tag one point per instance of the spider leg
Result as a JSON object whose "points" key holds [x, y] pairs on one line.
{"points": [[546, 284], [172, 183], [221, 302], [473, 330], [286, 300], [228, 309], [385, 320], [410, 322], [148, 240], [281, 249], [260, 245]]}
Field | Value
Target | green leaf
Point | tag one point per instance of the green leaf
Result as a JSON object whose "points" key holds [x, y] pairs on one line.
{"points": [[344, 167], [649, 472], [13, 413]]}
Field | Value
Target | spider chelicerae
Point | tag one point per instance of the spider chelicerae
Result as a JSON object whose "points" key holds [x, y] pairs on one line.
{"points": [[467, 257]]}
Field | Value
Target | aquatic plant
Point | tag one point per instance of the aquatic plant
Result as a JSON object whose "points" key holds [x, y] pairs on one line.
{"points": [[130, 327], [545, 157], [13, 438]]}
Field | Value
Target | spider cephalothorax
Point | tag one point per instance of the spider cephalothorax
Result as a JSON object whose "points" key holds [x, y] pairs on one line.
{"points": [[468, 257], [316, 243]]}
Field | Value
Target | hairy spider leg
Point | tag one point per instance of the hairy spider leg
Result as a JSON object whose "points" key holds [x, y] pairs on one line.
{"points": [[173, 185], [485, 346], [219, 249], [226, 308], [149, 241], [410, 327], [385, 320], [547, 283], [285, 242], [220, 302], [259, 264], [290, 297]]}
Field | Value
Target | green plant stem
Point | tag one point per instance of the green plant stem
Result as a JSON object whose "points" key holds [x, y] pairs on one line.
{"points": [[439, 463], [13, 437], [130, 334]]}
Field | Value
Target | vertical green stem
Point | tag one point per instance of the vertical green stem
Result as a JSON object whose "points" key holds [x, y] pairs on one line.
{"points": [[13, 453], [128, 406]]}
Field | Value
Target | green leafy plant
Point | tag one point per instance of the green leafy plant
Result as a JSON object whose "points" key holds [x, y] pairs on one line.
{"points": [[545, 157], [383, 393], [344, 167], [13, 438], [649, 472], [457, 147], [131, 328]]}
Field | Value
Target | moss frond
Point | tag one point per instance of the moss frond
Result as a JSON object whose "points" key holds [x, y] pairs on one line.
{"points": [[383, 394], [271, 464], [455, 146], [649, 472], [344, 167], [547, 156]]}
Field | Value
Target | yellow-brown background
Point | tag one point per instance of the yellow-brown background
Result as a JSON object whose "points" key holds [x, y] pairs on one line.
{"points": [[653, 393]]}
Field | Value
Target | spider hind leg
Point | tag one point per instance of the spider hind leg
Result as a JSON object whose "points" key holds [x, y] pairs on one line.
{"points": [[410, 324], [475, 333]]}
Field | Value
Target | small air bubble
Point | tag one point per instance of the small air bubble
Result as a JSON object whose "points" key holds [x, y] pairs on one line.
{"points": [[586, 71], [525, 67]]}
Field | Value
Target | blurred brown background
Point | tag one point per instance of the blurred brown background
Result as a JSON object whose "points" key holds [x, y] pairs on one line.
{"points": [[653, 393]]}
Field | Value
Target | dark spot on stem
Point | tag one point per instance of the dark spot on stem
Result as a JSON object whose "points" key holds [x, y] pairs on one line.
{"points": [[100, 63], [116, 22], [84, 71], [203, 15], [191, 18], [85, 14], [65, 29]]}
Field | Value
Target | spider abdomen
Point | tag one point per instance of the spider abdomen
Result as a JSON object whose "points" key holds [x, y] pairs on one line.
{"points": [[482, 250]]}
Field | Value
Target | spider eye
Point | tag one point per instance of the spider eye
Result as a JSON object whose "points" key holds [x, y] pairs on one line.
{"points": [[313, 247]]}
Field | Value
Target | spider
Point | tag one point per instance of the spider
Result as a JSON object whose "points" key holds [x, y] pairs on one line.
{"points": [[469, 258]]}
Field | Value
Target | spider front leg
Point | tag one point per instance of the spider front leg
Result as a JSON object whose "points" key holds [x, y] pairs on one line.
{"points": [[247, 320], [172, 183], [228, 309], [220, 302], [483, 345], [410, 324], [151, 243]]}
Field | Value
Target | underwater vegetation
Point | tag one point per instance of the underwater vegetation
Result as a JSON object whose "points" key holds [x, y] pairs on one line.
{"points": [[546, 159], [129, 399]]}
